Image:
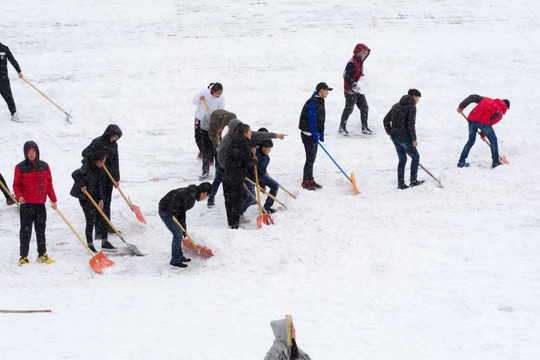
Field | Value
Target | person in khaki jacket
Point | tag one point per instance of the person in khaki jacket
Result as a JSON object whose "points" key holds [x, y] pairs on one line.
{"points": [[284, 346]]}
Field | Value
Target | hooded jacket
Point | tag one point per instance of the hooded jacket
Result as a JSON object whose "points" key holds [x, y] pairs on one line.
{"points": [[33, 179], [214, 122], [178, 202], [238, 158], [281, 348], [5, 55], [111, 149], [354, 69], [211, 101], [88, 175], [488, 111], [401, 119], [313, 117]]}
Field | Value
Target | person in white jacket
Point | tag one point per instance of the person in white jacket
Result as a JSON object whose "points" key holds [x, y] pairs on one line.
{"points": [[284, 346], [206, 100]]}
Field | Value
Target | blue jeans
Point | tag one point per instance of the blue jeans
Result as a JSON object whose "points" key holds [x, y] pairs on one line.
{"points": [[404, 146], [311, 154], [490, 134], [274, 187], [215, 184], [178, 234]]}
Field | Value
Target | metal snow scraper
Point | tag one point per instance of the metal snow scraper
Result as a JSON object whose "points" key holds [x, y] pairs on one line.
{"points": [[131, 247], [68, 116], [99, 261], [190, 243], [134, 208], [502, 158]]}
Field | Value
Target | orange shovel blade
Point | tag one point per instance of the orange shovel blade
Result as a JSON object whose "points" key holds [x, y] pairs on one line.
{"points": [[263, 219], [138, 213], [352, 179], [198, 248], [504, 161], [100, 262]]}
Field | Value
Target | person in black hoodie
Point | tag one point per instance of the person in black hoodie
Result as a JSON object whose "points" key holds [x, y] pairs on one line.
{"points": [[399, 124], [5, 88], [88, 179], [237, 158], [9, 201], [176, 203], [107, 142]]}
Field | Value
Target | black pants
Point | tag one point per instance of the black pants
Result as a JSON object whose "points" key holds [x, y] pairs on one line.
{"points": [[233, 192], [102, 227], [311, 154], [208, 151], [198, 134], [35, 214], [5, 91], [90, 214], [361, 103], [4, 191]]}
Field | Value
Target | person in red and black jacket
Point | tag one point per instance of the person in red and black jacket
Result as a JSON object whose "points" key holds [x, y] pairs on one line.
{"points": [[353, 93], [32, 184], [487, 113]]}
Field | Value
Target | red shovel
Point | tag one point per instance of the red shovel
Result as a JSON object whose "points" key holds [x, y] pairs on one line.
{"points": [[190, 243], [97, 262], [134, 208]]}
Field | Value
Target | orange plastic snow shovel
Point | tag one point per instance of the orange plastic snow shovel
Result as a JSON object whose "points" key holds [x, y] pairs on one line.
{"points": [[352, 178], [190, 243], [262, 218], [99, 261], [134, 208], [8, 192], [502, 158], [270, 195], [266, 218]]}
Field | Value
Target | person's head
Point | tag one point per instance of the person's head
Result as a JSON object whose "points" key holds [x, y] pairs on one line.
{"points": [[31, 150], [204, 190], [98, 157], [361, 52], [507, 102], [263, 129], [415, 94], [266, 146], [245, 130], [112, 133], [216, 89], [32, 154], [323, 89], [114, 138]]}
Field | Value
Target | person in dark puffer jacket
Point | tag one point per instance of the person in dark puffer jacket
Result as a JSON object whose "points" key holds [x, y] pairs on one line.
{"points": [[176, 203], [5, 87], [400, 123], [32, 183], [9, 201], [487, 113], [108, 142]]}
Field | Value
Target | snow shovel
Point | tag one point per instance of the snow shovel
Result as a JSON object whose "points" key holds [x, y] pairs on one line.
{"points": [[190, 243], [262, 218], [134, 208], [205, 104], [271, 196], [266, 219], [99, 261], [131, 247], [287, 191], [68, 116], [10, 194], [503, 158], [434, 178], [352, 179]]}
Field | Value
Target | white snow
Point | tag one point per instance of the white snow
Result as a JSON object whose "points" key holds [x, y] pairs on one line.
{"points": [[425, 273]]}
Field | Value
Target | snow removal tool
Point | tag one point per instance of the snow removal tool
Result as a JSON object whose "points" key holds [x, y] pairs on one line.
{"points": [[134, 208], [68, 116], [265, 218], [189, 243], [502, 158], [352, 178]]}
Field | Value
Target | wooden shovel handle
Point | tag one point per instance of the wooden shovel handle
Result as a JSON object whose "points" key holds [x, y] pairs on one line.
{"points": [[103, 214], [72, 229], [118, 187], [185, 233], [9, 193], [271, 196]]}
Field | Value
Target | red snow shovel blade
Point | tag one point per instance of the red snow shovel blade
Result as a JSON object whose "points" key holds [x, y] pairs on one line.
{"points": [[352, 179], [264, 219], [138, 213], [100, 262], [504, 161], [200, 249]]}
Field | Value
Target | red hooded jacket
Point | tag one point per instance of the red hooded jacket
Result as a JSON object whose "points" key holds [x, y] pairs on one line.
{"points": [[33, 179], [355, 68], [488, 111]]}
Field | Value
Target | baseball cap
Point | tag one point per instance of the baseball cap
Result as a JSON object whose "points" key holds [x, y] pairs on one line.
{"points": [[323, 86]]}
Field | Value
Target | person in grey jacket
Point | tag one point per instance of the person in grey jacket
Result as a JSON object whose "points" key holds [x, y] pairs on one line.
{"points": [[284, 346], [211, 127], [399, 124]]}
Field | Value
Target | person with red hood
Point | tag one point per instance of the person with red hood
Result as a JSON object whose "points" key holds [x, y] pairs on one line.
{"points": [[32, 184], [353, 93], [487, 113]]}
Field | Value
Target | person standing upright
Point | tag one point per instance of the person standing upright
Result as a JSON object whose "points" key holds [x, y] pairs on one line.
{"points": [[5, 88], [353, 92], [399, 124], [487, 113], [312, 119], [206, 100]]}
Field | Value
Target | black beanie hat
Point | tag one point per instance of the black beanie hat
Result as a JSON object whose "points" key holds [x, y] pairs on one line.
{"points": [[205, 187], [507, 104]]}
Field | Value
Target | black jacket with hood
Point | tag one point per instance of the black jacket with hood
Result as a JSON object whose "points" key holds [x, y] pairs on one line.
{"points": [[88, 175], [177, 202], [111, 149], [401, 119]]}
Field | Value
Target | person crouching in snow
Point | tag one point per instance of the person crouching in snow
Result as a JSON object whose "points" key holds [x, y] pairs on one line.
{"points": [[176, 203], [284, 346], [88, 179], [32, 184]]}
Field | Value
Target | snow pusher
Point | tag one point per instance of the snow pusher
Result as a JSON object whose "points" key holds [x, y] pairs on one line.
{"points": [[131, 247], [189, 243], [99, 261], [265, 218], [68, 116], [351, 178], [271, 196], [134, 208]]}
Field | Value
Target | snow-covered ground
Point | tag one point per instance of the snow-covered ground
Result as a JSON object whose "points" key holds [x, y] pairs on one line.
{"points": [[426, 273]]}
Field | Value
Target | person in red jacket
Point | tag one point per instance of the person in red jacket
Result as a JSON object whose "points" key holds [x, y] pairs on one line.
{"points": [[487, 113], [353, 93], [32, 184]]}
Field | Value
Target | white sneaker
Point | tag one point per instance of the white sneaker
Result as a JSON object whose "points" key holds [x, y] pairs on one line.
{"points": [[343, 132], [15, 118]]}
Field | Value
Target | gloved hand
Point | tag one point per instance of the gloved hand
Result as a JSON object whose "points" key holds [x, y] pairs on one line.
{"points": [[321, 137], [315, 138], [482, 135], [356, 88]]}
